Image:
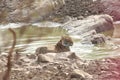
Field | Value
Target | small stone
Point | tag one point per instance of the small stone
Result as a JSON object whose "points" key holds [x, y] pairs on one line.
{"points": [[73, 56], [25, 59], [43, 58], [31, 56], [80, 74]]}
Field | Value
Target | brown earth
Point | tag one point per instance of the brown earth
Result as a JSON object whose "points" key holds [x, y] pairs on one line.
{"points": [[64, 66]]}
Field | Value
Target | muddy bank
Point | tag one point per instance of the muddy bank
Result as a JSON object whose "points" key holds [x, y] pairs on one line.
{"points": [[64, 66]]}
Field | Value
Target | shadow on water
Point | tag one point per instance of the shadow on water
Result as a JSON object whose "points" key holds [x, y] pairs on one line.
{"points": [[31, 37]]}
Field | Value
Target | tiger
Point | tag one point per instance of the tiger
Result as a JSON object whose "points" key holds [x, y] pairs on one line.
{"points": [[63, 45]]}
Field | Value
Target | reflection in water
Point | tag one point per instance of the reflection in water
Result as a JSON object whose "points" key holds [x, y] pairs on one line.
{"points": [[31, 37]]}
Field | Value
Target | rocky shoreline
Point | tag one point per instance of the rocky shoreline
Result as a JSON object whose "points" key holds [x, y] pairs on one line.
{"points": [[61, 66]]}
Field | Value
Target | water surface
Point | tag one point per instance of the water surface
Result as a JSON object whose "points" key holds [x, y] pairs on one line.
{"points": [[32, 36]]}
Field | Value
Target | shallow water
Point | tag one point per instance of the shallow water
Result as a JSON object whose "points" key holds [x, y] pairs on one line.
{"points": [[33, 36]]}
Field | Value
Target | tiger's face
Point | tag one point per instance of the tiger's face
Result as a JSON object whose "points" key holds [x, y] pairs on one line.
{"points": [[66, 41]]}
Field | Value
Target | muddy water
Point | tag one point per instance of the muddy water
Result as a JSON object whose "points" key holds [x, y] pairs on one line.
{"points": [[31, 37]]}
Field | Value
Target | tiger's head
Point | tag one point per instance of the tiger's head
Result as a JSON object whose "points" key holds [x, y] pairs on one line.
{"points": [[64, 44], [66, 41]]}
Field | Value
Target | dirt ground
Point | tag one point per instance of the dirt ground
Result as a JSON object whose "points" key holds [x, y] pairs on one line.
{"points": [[62, 67]]}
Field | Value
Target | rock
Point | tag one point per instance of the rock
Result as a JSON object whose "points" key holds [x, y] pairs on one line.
{"points": [[31, 56], [77, 8], [99, 23], [44, 58], [116, 29], [65, 56], [28, 10], [80, 74], [52, 55], [98, 39], [25, 59], [35, 78], [112, 8], [73, 56], [17, 56]]}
